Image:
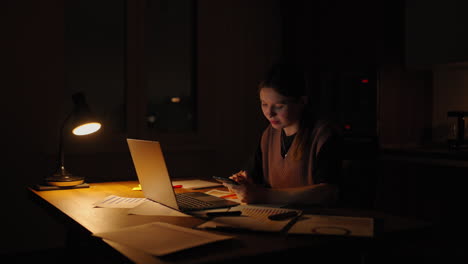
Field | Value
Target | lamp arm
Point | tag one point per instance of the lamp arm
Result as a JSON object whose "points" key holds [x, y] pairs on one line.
{"points": [[61, 156]]}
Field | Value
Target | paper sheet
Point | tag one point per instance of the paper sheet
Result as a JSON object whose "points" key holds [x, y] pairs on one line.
{"points": [[114, 201], [333, 225], [196, 184], [152, 208], [160, 239]]}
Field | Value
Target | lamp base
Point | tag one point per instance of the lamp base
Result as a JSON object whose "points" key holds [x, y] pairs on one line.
{"points": [[64, 181], [40, 187]]}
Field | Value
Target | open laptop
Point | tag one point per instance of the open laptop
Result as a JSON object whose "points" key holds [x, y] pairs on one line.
{"points": [[156, 184]]}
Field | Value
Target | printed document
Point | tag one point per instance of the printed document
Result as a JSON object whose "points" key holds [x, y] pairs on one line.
{"points": [[114, 201]]}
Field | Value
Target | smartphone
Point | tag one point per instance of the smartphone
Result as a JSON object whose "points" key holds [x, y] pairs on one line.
{"points": [[225, 180]]}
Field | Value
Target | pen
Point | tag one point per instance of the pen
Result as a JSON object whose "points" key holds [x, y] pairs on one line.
{"points": [[283, 216]]}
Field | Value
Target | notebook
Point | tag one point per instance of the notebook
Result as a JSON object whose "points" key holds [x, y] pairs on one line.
{"points": [[156, 183]]}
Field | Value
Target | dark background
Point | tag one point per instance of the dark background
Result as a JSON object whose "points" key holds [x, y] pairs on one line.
{"points": [[393, 44]]}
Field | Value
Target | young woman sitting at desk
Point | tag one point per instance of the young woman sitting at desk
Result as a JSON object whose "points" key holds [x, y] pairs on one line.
{"points": [[298, 159]]}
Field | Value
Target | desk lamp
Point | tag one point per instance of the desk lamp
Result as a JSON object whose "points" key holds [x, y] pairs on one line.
{"points": [[83, 123]]}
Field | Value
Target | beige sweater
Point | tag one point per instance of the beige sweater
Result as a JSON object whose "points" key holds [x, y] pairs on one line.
{"points": [[286, 172]]}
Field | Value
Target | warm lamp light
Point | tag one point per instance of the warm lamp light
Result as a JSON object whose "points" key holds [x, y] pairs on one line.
{"points": [[86, 129], [83, 123]]}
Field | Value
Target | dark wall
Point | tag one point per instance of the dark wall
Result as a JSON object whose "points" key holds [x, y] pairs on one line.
{"points": [[435, 32], [237, 40], [32, 85]]}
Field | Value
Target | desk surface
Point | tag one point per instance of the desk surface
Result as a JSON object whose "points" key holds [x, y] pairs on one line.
{"points": [[77, 204]]}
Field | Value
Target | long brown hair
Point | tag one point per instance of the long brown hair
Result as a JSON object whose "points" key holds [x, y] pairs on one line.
{"points": [[290, 81]]}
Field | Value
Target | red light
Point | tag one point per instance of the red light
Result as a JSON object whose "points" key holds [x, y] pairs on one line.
{"points": [[347, 127], [365, 81]]}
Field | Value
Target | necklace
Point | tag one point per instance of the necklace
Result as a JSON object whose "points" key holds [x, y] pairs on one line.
{"points": [[284, 153], [285, 144]]}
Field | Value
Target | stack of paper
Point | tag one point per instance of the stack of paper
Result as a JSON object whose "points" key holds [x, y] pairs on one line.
{"points": [[254, 218]]}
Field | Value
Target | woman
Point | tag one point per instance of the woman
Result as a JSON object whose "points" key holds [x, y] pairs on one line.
{"points": [[298, 160]]}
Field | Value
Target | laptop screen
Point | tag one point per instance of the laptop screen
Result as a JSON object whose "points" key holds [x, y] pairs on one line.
{"points": [[152, 172]]}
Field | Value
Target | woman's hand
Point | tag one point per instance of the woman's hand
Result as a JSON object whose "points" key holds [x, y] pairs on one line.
{"points": [[246, 191], [240, 177]]}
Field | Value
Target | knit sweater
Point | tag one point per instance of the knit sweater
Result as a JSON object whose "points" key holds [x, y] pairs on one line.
{"points": [[317, 164]]}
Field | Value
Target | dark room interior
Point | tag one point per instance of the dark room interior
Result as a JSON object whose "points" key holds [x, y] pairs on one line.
{"points": [[186, 73]]}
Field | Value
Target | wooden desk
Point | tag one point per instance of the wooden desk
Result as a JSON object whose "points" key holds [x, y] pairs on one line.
{"points": [[77, 204]]}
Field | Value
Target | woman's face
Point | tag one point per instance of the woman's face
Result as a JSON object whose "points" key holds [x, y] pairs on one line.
{"points": [[281, 111]]}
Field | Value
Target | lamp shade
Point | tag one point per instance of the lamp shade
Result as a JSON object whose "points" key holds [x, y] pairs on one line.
{"points": [[83, 120]]}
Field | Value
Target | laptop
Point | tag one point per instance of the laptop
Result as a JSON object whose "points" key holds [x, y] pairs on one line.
{"points": [[156, 183]]}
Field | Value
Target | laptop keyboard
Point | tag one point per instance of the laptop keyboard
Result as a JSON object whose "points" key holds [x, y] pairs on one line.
{"points": [[188, 202]]}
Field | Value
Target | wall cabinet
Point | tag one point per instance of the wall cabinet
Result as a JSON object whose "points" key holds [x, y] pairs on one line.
{"points": [[423, 186]]}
